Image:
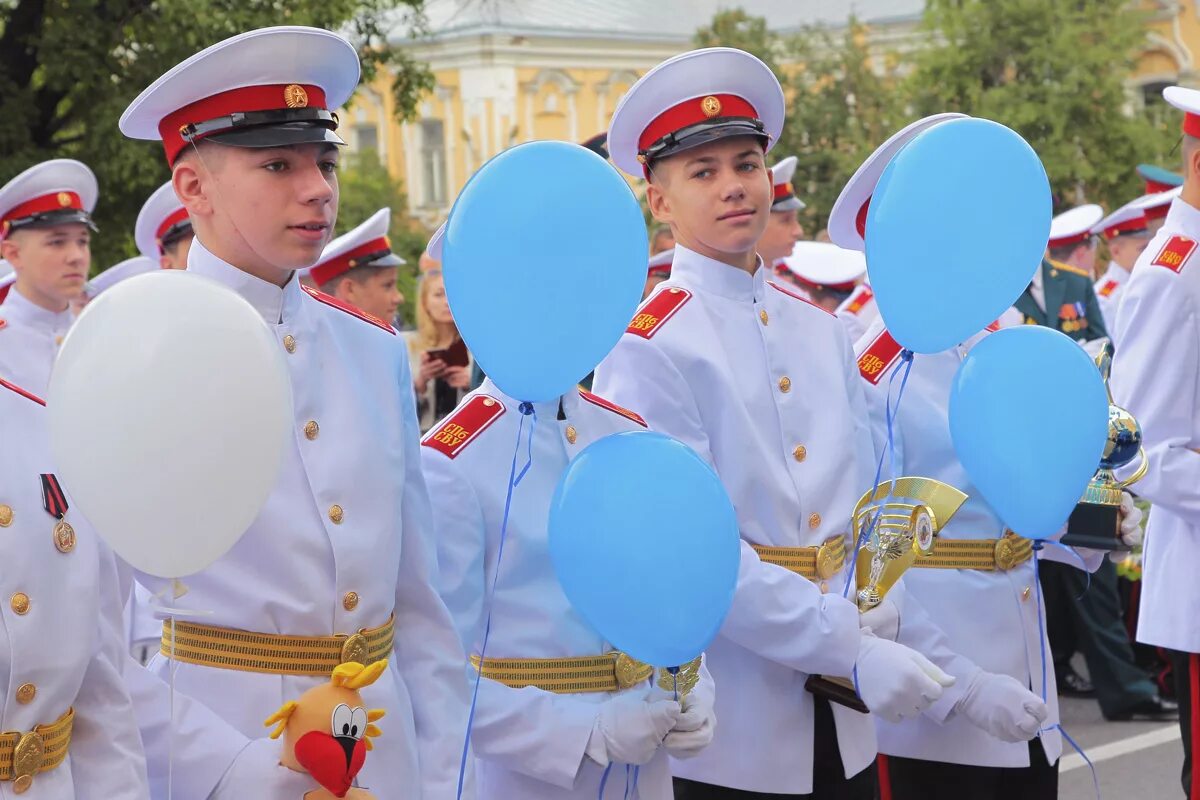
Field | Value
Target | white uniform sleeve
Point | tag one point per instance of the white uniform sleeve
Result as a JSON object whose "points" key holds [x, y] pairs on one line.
{"points": [[107, 762], [428, 653], [1154, 376], [776, 613], [919, 631]]}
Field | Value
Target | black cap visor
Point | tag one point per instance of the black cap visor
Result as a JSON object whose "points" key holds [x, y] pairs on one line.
{"points": [[48, 219], [289, 133]]}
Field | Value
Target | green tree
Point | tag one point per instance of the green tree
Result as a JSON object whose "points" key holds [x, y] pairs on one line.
{"points": [[366, 186], [68, 68], [1054, 72]]}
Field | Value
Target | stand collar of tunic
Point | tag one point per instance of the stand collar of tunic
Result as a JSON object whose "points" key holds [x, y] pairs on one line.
{"points": [[691, 270], [546, 412], [1116, 271], [18, 308], [274, 303], [1183, 216]]}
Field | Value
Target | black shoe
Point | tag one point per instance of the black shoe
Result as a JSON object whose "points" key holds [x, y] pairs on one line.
{"points": [[1072, 684], [1156, 709]]}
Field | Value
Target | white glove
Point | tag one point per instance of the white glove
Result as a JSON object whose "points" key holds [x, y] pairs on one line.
{"points": [[1000, 705], [631, 727], [1131, 521], [895, 681], [883, 620], [696, 725], [258, 766]]}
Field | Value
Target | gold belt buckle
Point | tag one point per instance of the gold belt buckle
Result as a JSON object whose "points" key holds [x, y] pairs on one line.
{"points": [[827, 553], [27, 760], [1005, 552], [356, 649], [628, 672]]}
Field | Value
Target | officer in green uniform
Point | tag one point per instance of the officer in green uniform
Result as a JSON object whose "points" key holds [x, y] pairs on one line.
{"points": [[1062, 296]]}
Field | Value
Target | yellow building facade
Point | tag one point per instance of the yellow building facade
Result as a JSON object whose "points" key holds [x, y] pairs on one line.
{"points": [[550, 69]]}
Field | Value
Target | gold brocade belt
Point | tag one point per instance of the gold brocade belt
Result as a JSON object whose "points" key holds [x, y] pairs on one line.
{"points": [[245, 651], [815, 563], [610, 672], [989, 555], [23, 755]]}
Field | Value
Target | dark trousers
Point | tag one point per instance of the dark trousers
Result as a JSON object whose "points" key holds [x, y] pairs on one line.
{"points": [[910, 779], [829, 782], [1186, 667], [1094, 625]]}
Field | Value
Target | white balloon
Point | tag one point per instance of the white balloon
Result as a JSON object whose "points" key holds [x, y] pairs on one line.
{"points": [[170, 407]]}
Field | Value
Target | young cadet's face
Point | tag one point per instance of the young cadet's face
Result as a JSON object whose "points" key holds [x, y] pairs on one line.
{"points": [[51, 263], [716, 197], [375, 294], [266, 208], [782, 233]]}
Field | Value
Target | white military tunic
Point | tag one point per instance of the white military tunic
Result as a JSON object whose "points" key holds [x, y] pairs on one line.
{"points": [[1156, 376], [344, 541], [29, 340], [858, 311], [60, 641], [991, 618], [764, 387], [529, 742], [1108, 292]]}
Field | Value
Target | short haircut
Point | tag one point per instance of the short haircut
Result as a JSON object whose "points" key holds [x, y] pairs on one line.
{"points": [[1063, 252], [357, 274]]}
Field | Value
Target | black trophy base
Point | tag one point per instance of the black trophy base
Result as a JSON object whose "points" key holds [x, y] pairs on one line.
{"points": [[1095, 526], [836, 690]]}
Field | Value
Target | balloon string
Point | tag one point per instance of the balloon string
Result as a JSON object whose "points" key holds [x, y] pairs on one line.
{"points": [[1038, 545], [604, 779], [514, 479], [889, 448]]}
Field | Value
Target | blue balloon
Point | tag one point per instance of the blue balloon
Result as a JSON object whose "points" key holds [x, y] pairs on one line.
{"points": [[645, 543], [1029, 420], [544, 260], [957, 226]]}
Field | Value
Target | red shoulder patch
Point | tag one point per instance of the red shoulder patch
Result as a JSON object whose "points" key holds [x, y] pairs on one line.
{"points": [[795, 296], [1108, 288], [463, 426], [860, 299], [27, 395], [657, 310], [352, 310], [1175, 253], [596, 399], [880, 355]]}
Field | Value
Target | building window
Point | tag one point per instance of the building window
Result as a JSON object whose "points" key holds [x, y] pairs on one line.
{"points": [[1152, 93], [366, 137], [433, 162]]}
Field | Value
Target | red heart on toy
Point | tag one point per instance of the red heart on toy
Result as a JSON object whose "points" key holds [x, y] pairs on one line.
{"points": [[325, 759]]}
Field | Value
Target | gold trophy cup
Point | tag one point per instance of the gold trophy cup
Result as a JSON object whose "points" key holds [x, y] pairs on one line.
{"points": [[1096, 521], [907, 516]]}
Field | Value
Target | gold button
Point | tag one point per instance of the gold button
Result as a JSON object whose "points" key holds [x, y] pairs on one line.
{"points": [[336, 514], [350, 601], [1025, 593], [25, 693], [572, 434], [488, 402], [800, 453], [20, 603], [21, 785], [785, 384], [824, 587], [311, 429], [763, 316], [5, 516], [289, 343], [814, 521]]}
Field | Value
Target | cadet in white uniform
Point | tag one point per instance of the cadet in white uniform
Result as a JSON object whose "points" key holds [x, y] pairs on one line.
{"points": [[825, 273], [1127, 233], [163, 230], [1156, 376], [45, 233], [359, 268], [555, 709], [340, 564], [69, 728]]}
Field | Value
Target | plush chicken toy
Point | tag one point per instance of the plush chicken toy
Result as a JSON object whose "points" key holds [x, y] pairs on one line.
{"points": [[328, 732]]}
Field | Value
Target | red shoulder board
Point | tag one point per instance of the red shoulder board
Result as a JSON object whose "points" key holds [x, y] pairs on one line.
{"points": [[879, 356], [660, 308], [1108, 288], [861, 298], [3, 323], [352, 310], [28, 395], [462, 427], [1175, 253], [596, 399], [795, 296]]}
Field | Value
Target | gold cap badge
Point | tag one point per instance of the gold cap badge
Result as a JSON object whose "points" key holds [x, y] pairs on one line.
{"points": [[295, 96], [64, 199], [711, 106]]}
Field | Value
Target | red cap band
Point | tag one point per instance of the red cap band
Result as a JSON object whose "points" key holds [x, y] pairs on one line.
{"points": [[274, 97], [860, 219], [1158, 212], [326, 271], [1129, 225], [1154, 187], [171, 221], [56, 201], [1075, 238], [1191, 125], [692, 111], [783, 191]]}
